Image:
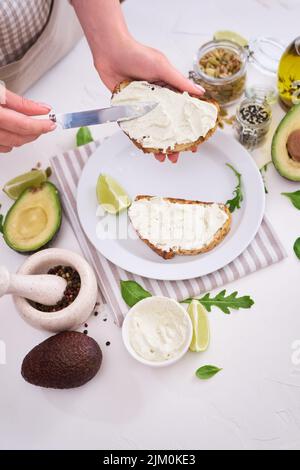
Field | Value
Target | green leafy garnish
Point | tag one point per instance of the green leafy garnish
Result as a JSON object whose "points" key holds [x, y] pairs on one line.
{"points": [[207, 372], [133, 293], [84, 136], [263, 170], [297, 248], [266, 165], [224, 303], [235, 203], [294, 197]]}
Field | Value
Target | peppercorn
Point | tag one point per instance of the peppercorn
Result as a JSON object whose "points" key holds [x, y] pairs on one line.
{"points": [[71, 292]]}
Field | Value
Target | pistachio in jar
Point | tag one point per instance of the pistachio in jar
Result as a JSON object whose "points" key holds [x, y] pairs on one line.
{"points": [[220, 67]]}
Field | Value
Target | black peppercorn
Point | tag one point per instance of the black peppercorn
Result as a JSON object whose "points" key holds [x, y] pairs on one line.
{"points": [[72, 290]]}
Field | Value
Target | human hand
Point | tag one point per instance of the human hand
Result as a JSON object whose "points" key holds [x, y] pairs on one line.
{"points": [[16, 126], [136, 61]]}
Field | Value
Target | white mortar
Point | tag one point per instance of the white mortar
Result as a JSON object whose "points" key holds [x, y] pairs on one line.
{"points": [[79, 311]]}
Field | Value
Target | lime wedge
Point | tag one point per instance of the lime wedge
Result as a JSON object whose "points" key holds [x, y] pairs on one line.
{"points": [[231, 36], [201, 335], [111, 196], [14, 188]]}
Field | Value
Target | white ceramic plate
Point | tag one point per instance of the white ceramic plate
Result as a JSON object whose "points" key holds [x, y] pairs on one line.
{"points": [[203, 176]]}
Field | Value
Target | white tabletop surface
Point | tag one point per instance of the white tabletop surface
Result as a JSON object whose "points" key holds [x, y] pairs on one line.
{"points": [[255, 402]]}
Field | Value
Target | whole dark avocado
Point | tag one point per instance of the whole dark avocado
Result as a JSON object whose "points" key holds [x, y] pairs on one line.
{"points": [[64, 361]]}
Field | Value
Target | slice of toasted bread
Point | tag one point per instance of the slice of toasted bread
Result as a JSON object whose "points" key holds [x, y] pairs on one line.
{"points": [[217, 239], [192, 146]]}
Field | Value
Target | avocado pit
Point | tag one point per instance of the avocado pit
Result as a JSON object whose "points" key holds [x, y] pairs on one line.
{"points": [[293, 145]]}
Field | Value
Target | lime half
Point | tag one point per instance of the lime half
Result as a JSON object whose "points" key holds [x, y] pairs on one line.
{"points": [[111, 196], [201, 335], [231, 36], [32, 179]]}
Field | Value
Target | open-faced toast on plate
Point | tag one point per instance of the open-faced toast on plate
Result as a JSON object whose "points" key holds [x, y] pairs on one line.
{"points": [[172, 226]]}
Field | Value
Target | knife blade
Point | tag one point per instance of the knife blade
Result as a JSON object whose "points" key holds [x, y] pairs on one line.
{"points": [[101, 116]]}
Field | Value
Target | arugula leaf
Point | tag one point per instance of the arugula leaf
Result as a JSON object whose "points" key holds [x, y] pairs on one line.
{"points": [[266, 166], [297, 248], [207, 372], [294, 197], [84, 136], [235, 203], [224, 303], [263, 170], [133, 293]]}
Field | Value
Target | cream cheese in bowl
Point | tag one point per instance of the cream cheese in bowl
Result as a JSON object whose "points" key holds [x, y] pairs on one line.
{"points": [[157, 331]]}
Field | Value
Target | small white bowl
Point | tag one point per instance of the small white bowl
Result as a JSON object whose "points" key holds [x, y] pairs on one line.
{"points": [[79, 311], [162, 303]]}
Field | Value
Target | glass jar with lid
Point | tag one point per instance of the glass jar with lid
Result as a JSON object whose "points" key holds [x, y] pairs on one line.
{"points": [[253, 119], [220, 66]]}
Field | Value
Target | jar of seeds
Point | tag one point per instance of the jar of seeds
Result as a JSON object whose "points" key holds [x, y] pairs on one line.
{"points": [[253, 120], [220, 67]]}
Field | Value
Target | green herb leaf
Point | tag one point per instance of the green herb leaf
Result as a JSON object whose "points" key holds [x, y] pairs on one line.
{"points": [[1, 223], [263, 170], [84, 136], [224, 303], [133, 293], [294, 197], [207, 372], [235, 203], [297, 248], [266, 166]]}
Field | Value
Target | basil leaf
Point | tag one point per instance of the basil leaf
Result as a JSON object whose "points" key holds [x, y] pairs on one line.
{"points": [[297, 248], [294, 197], [207, 372], [84, 136], [1, 223], [133, 293]]}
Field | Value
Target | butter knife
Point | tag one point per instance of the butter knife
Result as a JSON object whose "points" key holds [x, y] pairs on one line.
{"points": [[101, 116]]}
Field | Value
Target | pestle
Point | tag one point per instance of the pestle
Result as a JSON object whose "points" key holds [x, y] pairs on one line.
{"points": [[44, 289]]}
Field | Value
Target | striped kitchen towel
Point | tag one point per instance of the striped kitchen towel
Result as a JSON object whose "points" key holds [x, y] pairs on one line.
{"points": [[264, 251]]}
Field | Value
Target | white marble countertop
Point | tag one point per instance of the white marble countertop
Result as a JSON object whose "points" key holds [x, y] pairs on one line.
{"points": [[255, 402]]}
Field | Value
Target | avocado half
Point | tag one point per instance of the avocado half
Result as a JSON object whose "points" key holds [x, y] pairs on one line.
{"points": [[34, 219], [286, 145]]}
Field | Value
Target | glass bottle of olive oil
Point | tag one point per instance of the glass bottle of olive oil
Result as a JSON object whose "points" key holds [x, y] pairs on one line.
{"points": [[289, 75]]}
